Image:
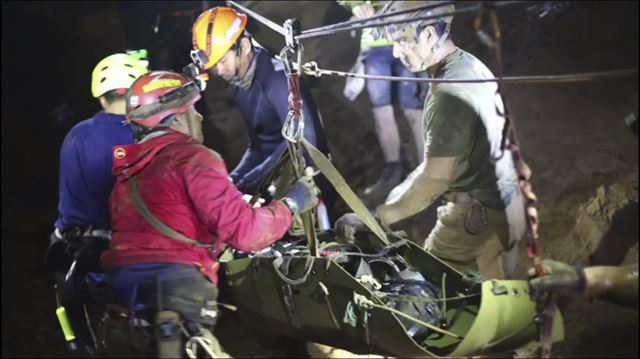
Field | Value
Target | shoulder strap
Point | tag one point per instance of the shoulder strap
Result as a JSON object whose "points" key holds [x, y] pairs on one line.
{"points": [[139, 205]]}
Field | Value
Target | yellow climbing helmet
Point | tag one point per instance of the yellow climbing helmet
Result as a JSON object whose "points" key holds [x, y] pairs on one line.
{"points": [[116, 72], [395, 32], [214, 33]]}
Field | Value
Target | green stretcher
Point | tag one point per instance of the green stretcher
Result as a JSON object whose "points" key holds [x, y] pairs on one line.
{"points": [[320, 301]]}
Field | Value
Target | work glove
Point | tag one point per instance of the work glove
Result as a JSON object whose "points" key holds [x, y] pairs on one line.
{"points": [[301, 196], [559, 277], [347, 226]]}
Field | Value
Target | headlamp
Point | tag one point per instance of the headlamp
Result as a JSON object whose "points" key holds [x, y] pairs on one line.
{"points": [[199, 58]]}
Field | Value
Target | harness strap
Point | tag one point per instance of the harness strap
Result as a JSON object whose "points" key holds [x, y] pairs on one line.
{"points": [[139, 205], [343, 189]]}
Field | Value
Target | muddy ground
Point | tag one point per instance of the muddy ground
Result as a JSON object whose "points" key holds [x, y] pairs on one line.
{"points": [[584, 159]]}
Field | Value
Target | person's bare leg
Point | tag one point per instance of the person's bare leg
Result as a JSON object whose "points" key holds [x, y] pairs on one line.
{"points": [[387, 132], [389, 139], [414, 118]]}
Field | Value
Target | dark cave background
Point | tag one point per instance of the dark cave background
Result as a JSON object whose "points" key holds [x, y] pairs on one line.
{"points": [[584, 159]]}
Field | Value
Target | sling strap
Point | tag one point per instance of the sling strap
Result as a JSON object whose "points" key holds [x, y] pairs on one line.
{"points": [[139, 205], [347, 194]]}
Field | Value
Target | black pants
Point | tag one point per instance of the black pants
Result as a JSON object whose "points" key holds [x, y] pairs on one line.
{"points": [[186, 291]]}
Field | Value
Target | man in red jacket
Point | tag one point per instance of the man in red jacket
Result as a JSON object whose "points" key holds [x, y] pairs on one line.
{"points": [[174, 209]]}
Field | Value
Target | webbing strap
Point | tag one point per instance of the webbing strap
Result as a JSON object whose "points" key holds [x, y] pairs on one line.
{"points": [[343, 189], [139, 205]]}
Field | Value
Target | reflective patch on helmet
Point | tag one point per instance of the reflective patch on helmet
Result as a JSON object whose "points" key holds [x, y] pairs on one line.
{"points": [[133, 101], [119, 153], [233, 29], [161, 84]]}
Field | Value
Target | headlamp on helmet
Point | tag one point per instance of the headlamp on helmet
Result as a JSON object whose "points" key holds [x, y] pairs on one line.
{"points": [[199, 58]]}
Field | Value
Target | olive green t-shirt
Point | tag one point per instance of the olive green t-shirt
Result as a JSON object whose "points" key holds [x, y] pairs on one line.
{"points": [[463, 119]]}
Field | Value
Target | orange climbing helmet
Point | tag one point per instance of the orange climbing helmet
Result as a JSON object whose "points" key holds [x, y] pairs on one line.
{"points": [[215, 31]]}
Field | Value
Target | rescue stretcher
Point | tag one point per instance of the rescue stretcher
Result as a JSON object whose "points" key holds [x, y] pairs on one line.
{"points": [[321, 301]]}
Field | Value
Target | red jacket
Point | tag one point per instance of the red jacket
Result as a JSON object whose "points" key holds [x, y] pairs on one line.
{"points": [[186, 186]]}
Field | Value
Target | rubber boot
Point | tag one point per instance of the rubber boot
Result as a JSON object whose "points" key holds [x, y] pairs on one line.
{"points": [[214, 344], [390, 177]]}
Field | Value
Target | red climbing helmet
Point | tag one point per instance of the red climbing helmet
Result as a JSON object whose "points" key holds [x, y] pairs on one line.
{"points": [[158, 94]]}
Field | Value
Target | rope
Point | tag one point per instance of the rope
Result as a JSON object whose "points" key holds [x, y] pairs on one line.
{"points": [[308, 264], [509, 132], [377, 17], [311, 69], [362, 302], [270, 24], [313, 33], [411, 298]]}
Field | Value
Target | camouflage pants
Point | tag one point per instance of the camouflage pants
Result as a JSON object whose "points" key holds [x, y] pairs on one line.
{"points": [[451, 240]]}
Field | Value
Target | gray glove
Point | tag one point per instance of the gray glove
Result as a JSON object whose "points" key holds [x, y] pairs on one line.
{"points": [[302, 195], [559, 277]]}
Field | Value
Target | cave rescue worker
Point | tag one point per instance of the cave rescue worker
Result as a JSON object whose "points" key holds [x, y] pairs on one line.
{"points": [[376, 57], [82, 229], [223, 47], [463, 160], [174, 209], [615, 284]]}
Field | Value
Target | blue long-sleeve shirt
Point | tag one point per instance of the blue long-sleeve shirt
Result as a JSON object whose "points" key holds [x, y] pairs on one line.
{"points": [[264, 106], [85, 170]]}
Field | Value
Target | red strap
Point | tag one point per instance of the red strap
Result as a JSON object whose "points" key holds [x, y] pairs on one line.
{"points": [[295, 102]]}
